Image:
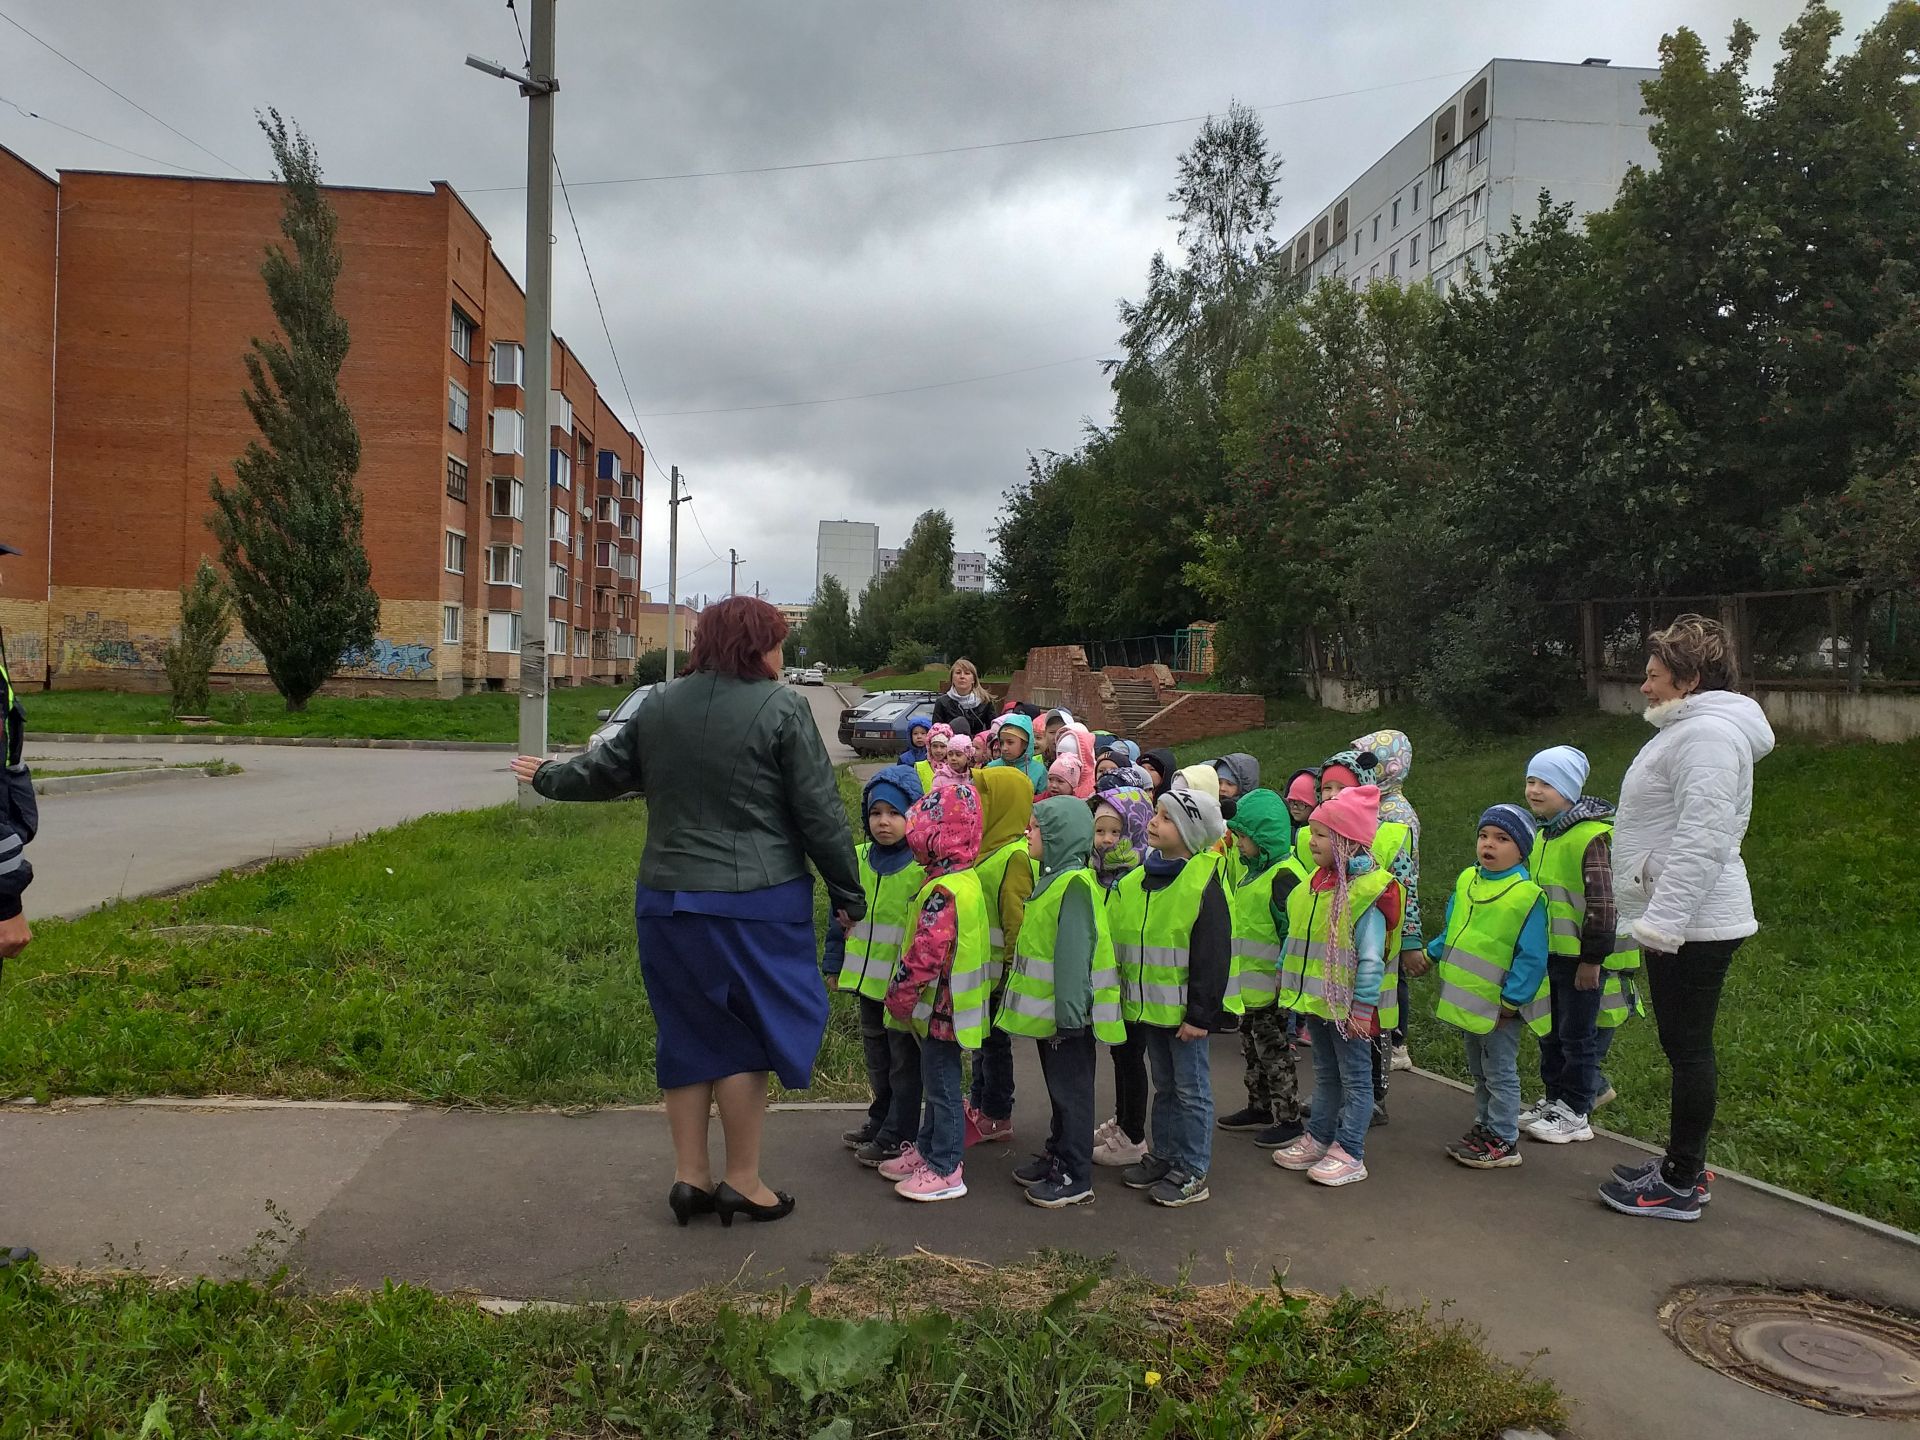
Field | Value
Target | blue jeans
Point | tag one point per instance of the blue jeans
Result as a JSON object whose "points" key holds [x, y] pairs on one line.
{"points": [[942, 1127], [1493, 1060], [902, 1120], [1342, 1088], [1602, 1044], [1570, 1051], [992, 1092], [1182, 1099]]}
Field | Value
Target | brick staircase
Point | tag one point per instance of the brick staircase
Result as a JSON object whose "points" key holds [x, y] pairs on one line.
{"points": [[1134, 704]]}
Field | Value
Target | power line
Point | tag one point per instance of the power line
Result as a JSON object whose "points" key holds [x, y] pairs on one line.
{"points": [[123, 95], [137, 154], [714, 549], [877, 394], [983, 145]]}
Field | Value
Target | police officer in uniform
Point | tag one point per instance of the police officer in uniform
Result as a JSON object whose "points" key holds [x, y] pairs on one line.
{"points": [[19, 818]]}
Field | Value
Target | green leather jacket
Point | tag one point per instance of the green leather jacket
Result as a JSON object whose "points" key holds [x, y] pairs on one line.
{"points": [[740, 793]]}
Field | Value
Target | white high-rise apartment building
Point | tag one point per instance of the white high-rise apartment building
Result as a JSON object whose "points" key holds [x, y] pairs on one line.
{"points": [[849, 550], [969, 568], [1428, 208]]}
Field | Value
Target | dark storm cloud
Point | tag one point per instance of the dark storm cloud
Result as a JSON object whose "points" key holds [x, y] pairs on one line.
{"points": [[755, 290]]}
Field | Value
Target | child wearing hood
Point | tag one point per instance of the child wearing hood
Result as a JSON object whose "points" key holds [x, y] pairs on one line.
{"points": [[1120, 817], [1063, 777], [1015, 744], [1173, 934], [1006, 880], [1237, 774], [1336, 967], [1492, 964], [1063, 990], [939, 990], [1263, 829], [1588, 965], [919, 733], [1161, 765], [861, 962]]}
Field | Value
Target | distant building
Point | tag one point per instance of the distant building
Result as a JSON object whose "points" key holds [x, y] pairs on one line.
{"points": [[1427, 209], [886, 560], [849, 550], [794, 615], [969, 567], [650, 627]]}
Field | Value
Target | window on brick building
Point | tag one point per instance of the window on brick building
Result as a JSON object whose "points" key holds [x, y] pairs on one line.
{"points": [[456, 479], [509, 433], [606, 508], [603, 554], [556, 637], [457, 405], [509, 363], [449, 624], [560, 586], [579, 642], [560, 467], [462, 336], [503, 632], [456, 552], [562, 527], [503, 564], [509, 497]]}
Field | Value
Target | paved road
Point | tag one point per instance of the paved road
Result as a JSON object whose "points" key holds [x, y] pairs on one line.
{"points": [[573, 1208]]}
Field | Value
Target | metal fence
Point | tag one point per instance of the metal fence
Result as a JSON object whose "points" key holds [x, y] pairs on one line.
{"points": [[1189, 650]]}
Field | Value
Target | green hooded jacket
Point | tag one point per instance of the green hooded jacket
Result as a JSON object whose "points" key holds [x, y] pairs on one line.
{"points": [[1262, 816], [1066, 844]]}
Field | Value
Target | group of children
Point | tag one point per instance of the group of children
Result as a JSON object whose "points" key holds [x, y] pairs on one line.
{"points": [[1049, 883]]}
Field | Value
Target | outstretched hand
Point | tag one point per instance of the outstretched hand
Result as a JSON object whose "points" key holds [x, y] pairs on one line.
{"points": [[525, 767]]}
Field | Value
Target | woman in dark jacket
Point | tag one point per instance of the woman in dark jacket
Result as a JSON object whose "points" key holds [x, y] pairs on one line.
{"points": [[740, 795], [964, 706]]}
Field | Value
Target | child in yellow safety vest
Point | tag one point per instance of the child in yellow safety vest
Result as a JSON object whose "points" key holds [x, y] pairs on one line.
{"points": [[1063, 990], [1006, 879], [1173, 936], [1588, 965], [861, 962], [1120, 817], [1337, 969], [939, 990], [1492, 966]]}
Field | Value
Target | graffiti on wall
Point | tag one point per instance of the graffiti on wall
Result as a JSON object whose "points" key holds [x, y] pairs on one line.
{"points": [[92, 641], [390, 661]]}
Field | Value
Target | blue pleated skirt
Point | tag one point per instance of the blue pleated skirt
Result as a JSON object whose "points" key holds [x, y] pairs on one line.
{"points": [[733, 981]]}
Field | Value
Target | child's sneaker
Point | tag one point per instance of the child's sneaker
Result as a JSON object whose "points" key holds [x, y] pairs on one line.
{"points": [[1148, 1173], [1538, 1110], [1560, 1126], [1650, 1194], [907, 1162], [1060, 1191], [1179, 1188], [853, 1139], [1481, 1149], [1247, 1119], [1281, 1132], [1302, 1154], [980, 1130], [1604, 1096], [1106, 1129], [1337, 1167], [1703, 1187], [1117, 1151], [927, 1186], [1037, 1170], [1402, 1059], [876, 1153]]}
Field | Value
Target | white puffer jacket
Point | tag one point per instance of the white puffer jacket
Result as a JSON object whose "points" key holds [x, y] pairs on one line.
{"points": [[1684, 807]]}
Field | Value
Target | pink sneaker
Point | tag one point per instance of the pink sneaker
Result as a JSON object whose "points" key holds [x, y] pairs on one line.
{"points": [[1337, 1167], [986, 1131], [1118, 1151], [926, 1186], [907, 1162], [1302, 1154]]}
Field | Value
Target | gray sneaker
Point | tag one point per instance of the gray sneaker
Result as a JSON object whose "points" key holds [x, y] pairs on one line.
{"points": [[15, 1255], [1147, 1174], [1180, 1188]]}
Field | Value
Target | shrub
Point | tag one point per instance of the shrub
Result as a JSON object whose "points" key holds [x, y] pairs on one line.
{"points": [[650, 667], [206, 615]]}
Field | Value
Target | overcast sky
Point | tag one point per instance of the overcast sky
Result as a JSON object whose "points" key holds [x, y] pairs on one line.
{"points": [[758, 290]]}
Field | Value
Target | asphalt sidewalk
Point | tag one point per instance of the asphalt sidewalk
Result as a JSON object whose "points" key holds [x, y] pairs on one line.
{"points": [[541, 1205]]}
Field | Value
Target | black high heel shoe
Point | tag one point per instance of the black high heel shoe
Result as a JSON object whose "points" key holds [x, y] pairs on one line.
{"points": [[687, 1201], [730, 1202]]}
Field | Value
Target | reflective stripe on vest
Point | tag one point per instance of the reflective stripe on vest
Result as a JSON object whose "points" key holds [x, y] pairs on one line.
{"points": [[967, 980], [1151, 934], [993, 873], [1558, 867], [1619, 1000], [875, 943], [1027, 1005], [1483, 926], [1255, 978], [1303, 958]]}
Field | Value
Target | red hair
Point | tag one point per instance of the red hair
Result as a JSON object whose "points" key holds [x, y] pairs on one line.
{"points": [[734, 637]]}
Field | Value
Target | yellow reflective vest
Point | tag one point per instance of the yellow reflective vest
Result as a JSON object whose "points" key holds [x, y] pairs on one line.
{"points": [[1483, 925], [874, 944], [1027, 1003], [967, 980]]}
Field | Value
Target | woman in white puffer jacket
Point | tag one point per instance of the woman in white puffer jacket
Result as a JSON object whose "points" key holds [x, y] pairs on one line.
{"points": [[1680, 887]]}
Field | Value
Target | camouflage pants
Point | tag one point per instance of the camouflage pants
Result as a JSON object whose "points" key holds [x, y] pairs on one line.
{"points": [[1265, 1046]]}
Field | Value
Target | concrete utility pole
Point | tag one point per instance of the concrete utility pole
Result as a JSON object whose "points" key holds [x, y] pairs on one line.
{"points": [[733, 584], [674, 501], [538, 85]]}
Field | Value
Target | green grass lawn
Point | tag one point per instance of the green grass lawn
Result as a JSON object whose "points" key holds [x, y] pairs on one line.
{"points": [[490, 715], [879, 1347], [1819, 1034]]}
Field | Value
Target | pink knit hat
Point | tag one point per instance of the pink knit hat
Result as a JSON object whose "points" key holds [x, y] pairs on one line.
{"points": [[1353, 814]]}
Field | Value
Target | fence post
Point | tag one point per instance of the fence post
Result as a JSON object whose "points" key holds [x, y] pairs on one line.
{"points": [[1856, 639], [1590, 647], [1733, 615]]}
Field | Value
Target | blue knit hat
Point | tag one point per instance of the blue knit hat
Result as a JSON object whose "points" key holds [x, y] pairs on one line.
{"points": [[1562, 767], [898, 785], [1516, 822]]}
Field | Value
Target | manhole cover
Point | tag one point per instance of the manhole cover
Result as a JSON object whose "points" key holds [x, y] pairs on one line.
{"points": [[1819, 1350]]}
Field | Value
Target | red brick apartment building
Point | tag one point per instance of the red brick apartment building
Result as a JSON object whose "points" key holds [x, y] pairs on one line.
{"points": [[126, 306]]}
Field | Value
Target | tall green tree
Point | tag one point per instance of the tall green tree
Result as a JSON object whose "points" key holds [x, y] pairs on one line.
{"points": [[920, 578], [290, 524], [828, 633]]}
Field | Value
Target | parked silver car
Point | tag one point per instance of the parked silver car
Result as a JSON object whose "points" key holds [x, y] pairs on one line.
{"points": [[612, 720]]}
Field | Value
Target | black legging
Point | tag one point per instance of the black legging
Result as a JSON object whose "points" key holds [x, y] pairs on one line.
{"points": [[1130, 1088], [1685, 988]]}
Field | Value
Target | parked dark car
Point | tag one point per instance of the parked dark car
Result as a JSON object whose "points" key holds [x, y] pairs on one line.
{"points": [[883, 729], [872, 703]]}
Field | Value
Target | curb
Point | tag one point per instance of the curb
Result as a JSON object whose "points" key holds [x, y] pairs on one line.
{"points": [[27, 1106], [311, 742], [113, 780]]}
